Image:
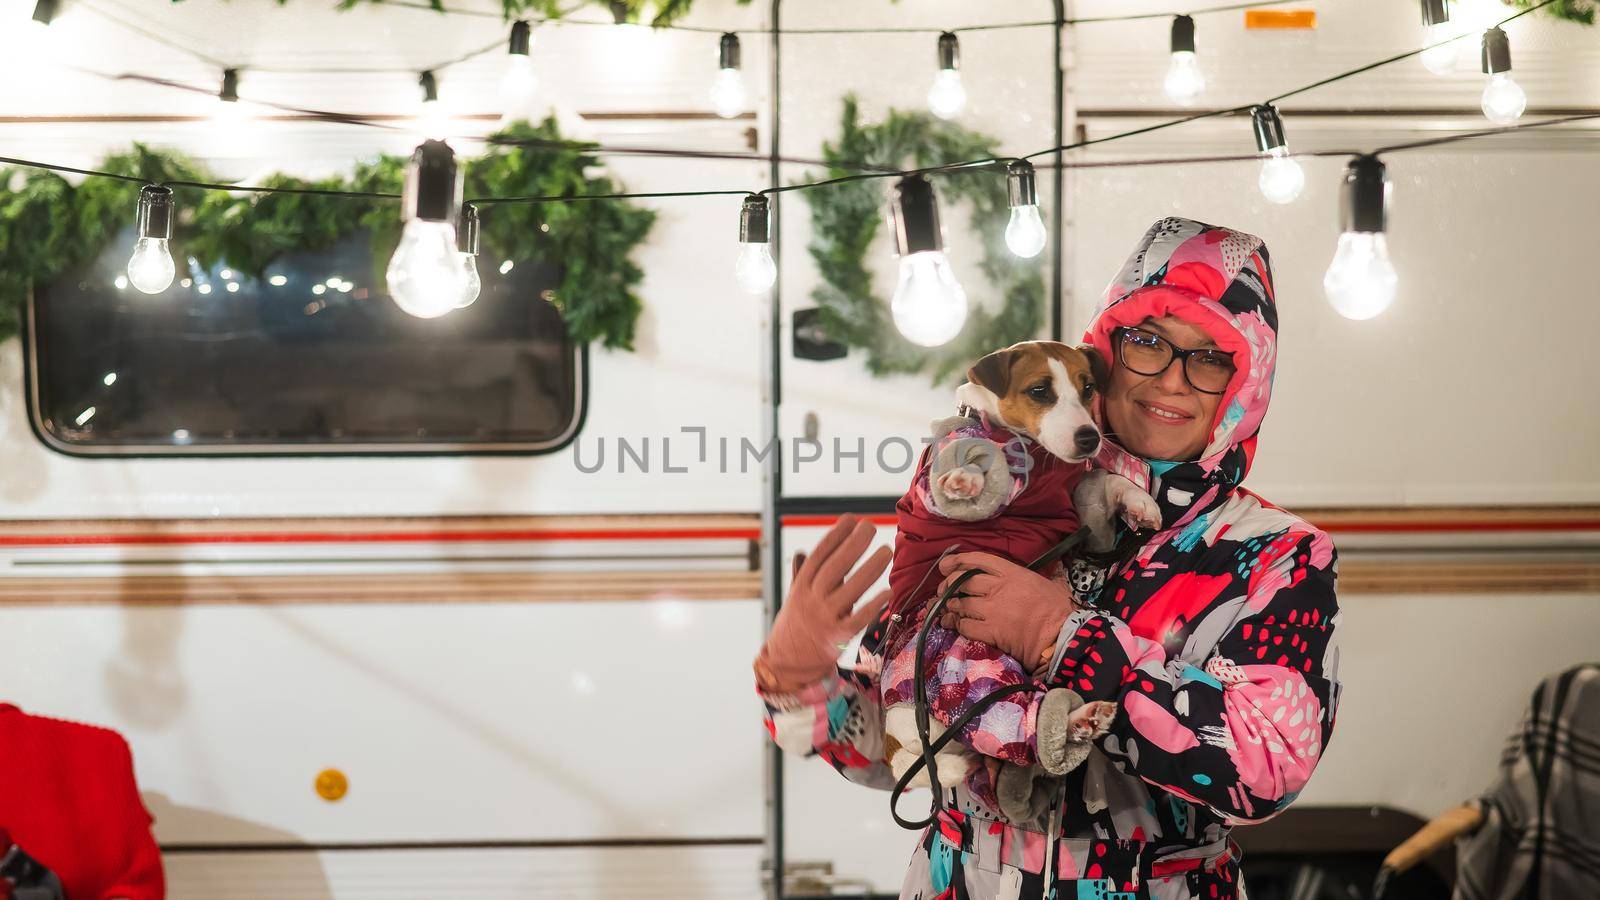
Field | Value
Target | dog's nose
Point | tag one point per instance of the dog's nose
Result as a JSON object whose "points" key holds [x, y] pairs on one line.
{"points": [[1087, 439]]}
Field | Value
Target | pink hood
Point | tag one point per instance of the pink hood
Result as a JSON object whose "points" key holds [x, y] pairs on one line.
{"points": [[1220, 280]]}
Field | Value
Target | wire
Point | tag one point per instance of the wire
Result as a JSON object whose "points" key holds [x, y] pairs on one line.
{"points": [[54, 167], [1396, 58], [1469, 135], [874, 172], [165, 41]]}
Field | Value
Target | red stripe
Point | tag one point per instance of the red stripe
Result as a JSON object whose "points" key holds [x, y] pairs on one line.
{"points": [[1463, 525], [380, 537], [1468, 525], [667, 534], [827, 520]]}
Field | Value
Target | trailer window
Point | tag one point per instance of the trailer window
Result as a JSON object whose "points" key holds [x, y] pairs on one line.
{"points": [[309, 358]]}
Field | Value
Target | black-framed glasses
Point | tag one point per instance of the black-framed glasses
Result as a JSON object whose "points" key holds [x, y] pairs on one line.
{"points": [[1141, 352]]}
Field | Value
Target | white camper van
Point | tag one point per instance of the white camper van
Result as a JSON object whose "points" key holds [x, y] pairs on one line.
{"points": [[395, 607]]}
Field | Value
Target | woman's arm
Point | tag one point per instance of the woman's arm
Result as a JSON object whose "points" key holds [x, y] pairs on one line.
{"points": [[1243, 734], [837, 718], [813, 706]]}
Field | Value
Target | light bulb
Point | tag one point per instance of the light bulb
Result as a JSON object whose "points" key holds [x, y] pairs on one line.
{"points": [[1025, 234], [1281, 179], [755, 271], [150, 269], [929, 306], [1503, 99], [727, 93], [425, 275], [948, 96], [519, 87], [472, 284], [1184, 80], [1360, 282], [1439, 60]]}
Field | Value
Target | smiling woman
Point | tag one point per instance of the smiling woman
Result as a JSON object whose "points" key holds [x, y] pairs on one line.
{"points": [[1158, 410]]}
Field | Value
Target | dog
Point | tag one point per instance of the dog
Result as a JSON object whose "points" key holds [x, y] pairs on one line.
{"points": [[1012, 474]]}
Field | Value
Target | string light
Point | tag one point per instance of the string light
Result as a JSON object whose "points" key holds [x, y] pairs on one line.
{"points": [[519, 86], [45, 12], [755, 271], [228, 110], [1281, 179], [431, 119], [425, 274], [929, 306], [1025, 232], [727, 89], [1184, 81], [948, 96], [1503, 99], [1440, 60], [467, 245], [1361, 281], [150, 269]]}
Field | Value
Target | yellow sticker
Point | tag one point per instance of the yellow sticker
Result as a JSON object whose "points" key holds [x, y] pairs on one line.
{"points": [[332, 785], [1280, 18]]}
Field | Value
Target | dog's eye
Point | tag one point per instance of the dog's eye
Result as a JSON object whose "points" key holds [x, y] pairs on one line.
{"points": [[1088, 390], [1040, 392]]}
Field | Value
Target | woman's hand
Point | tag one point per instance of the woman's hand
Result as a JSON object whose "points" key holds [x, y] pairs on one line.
{"points": [[815, 620], [1008, 606]]}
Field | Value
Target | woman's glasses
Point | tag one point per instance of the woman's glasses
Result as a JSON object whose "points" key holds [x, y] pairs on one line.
{"points": [[1144, 353]]}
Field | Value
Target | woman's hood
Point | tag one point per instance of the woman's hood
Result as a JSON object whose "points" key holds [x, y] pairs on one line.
{"points": [[1220, 280]]}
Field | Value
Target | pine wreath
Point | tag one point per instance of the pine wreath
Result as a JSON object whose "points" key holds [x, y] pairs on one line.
{"points": [[48, 226], [845, 219]]}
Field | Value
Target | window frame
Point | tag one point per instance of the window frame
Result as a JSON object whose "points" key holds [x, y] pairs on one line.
{"points": [[30, 348]]}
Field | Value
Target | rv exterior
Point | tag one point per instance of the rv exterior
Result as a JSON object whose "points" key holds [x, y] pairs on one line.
{"points": [[470, 610]]}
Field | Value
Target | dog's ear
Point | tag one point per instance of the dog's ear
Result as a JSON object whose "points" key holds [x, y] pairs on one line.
{"points": [[1098, 370], [993, 371]]}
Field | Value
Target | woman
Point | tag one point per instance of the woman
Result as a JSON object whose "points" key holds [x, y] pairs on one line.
{"points": [[1216, 639]]}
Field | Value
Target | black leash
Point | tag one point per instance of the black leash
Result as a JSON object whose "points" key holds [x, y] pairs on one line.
{"points": [[932, 747]]}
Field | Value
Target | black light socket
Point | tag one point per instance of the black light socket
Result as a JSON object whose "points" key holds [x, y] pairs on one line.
{"points": [[155, 212], [433, 184], [521, 38], [230, 86], [467, 231], [914, 216], [1435, 12], [1496, 51], [1182, 33], [1268, 127], [430, 87], [45, 11], [728, 51], [949, 51], [1364, 198], [1022, 188], [753, 220]]}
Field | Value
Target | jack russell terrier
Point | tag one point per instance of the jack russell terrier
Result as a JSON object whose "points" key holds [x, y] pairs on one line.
{"points": [[1012, 476]]}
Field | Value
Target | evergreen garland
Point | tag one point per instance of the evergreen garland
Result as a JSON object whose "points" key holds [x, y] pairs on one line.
{"points": [[1580, 11], [48, 226], [844, 223]]}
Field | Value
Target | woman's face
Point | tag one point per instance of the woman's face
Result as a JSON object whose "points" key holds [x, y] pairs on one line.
{"points": [[1162, 416]]}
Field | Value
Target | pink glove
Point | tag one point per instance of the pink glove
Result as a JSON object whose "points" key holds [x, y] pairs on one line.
{"points": [[1007, 606], [815, 620]]}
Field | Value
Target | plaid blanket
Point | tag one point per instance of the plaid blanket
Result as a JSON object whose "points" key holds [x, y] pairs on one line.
{"points": [[1540, 838]]}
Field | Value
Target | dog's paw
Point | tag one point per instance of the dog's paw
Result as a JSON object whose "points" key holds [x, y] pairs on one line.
{"points": [[1139, 510], [960, 484], [1091, 720]]}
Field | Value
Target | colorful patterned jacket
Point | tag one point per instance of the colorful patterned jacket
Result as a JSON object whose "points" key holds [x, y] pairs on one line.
{"points": [[1217, 640]]}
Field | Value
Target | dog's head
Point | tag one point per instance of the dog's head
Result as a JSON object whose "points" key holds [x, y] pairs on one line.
{"points": [[1042, 388]]}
